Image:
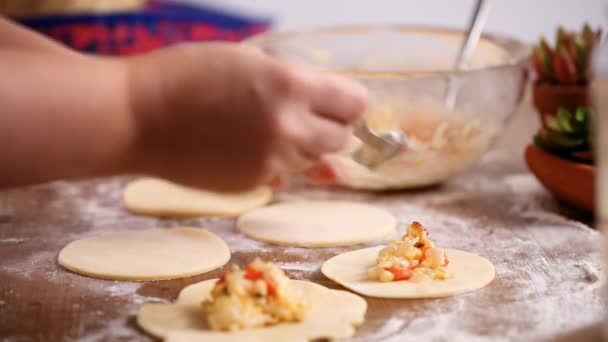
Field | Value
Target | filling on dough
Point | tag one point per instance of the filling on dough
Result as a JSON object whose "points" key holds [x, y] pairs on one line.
{"points": [[260, 295], [412, 258]]}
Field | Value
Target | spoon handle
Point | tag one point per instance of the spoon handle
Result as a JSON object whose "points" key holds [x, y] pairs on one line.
{"points": [[474, 30], [368, 137], [473, 34]]}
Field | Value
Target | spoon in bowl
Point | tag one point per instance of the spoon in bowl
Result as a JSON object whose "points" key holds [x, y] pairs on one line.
{"points": [[378, 148]]}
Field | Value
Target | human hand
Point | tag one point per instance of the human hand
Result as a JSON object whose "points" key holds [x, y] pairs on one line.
{"points": [[228, 117]]}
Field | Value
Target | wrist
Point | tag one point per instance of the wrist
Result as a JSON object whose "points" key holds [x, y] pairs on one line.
{"points": [[120, 154], [148, 108]]}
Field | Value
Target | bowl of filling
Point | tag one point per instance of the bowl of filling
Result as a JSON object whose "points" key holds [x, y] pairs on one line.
{"points": [[407, 71]]}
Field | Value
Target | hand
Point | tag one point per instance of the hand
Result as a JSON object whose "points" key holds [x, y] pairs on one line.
{"points": [[228, 117]]}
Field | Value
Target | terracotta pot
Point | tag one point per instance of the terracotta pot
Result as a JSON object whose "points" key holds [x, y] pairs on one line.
{"points": [[548, 98], [571, 182]]}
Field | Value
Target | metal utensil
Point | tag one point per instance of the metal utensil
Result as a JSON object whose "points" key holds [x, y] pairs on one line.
{"points": [[474, 30], [377, 148]]}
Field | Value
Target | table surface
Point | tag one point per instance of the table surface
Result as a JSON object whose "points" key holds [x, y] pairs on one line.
{"points": [[547, 262]]}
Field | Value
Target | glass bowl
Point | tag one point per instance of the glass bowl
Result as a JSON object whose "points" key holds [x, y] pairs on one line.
{"points": [[406, 71]]}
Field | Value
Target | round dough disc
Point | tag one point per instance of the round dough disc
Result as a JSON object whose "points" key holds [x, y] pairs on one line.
{"points": [[471, 272], [317, 223], [332, 314], [149, 254], [157, 197]]}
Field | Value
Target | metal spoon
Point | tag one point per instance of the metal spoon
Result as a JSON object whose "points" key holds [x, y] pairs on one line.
{"points": [[474, 30], [378, 148]]}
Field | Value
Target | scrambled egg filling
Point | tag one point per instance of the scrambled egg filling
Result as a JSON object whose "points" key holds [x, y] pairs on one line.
{"points": [[260, 295], [413, 258]]}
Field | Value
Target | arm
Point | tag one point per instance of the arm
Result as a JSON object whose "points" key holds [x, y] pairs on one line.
{"points": [[16, 37], [63, 114], [221, 116]]}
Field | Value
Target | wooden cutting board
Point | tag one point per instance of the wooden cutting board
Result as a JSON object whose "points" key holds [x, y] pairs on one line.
{"points": [[547, 264]]}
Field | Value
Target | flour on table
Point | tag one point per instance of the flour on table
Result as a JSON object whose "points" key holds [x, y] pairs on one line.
{"points": [[119, 289], [298, 266], [12, 241], [497, 211]]}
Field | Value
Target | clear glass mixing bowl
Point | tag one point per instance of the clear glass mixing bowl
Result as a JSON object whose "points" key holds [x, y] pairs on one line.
{"points": [[406, 70]]}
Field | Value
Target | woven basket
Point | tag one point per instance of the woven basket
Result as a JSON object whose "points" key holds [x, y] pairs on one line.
{"points": [[30, 8]]}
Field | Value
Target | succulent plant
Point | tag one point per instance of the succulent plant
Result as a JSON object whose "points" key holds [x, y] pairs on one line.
{"points": [[567, 135], [569, 61]]}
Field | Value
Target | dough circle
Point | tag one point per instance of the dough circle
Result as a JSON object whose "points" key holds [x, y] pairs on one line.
{"points": [[149, 254], [471, 272], [332, 314], [317, 223], [157, 197]]}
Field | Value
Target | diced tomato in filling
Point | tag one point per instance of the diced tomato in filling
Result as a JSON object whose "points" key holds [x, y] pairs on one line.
{"points": [[446, 261], [322, 173], [252, 273], [271, 287], [222, 278], [401, 273], [423, 255]]}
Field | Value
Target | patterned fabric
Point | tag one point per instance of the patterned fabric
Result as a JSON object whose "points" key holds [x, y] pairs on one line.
{"points": [[159, 24]]}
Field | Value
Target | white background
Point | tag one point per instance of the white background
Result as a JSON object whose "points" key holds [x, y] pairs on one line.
{"points": [[524, 19]]}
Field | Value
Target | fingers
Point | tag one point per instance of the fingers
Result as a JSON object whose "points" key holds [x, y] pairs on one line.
{"points": [[296, 160], [313, 135], [338, 98], [334, 97], [316, 112], [324, 136]]}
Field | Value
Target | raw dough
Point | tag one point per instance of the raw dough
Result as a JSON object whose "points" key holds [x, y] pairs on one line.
{"points": [[317, 223], [149, 254], [471, 272], [332, 314], [157, 197]]}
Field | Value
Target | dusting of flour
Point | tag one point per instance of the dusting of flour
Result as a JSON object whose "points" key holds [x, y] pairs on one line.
{"points": [[543, 286]]}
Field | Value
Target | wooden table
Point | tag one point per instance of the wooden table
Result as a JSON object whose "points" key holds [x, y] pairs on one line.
{"points": [[547, 263]]}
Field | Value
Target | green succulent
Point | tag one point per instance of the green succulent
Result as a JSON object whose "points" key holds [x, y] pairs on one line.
{"points": [[567, 135], [569, 61]]}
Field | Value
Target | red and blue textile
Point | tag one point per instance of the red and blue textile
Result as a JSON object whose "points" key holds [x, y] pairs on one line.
{"points": [[161, 23]]}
